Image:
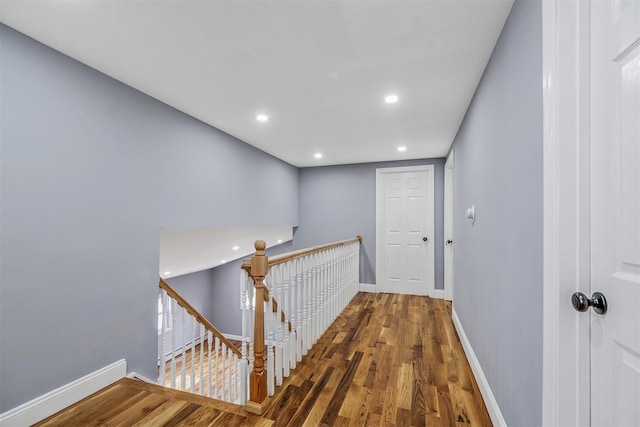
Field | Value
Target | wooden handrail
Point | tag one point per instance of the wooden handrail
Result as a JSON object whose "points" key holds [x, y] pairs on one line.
{"points": [[279, 259], [192, 311], [257, 268]]}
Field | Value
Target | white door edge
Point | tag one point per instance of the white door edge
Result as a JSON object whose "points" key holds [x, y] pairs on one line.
{"points": [[380, 225], [449, 209], [566, 206]]}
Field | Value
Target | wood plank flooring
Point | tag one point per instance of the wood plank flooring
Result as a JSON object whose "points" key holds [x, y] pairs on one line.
{"points": [[388, 360], [201, 370], [131, 402]]}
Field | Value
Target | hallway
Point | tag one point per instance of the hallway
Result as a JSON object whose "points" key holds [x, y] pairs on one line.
{"points": [[388, 360]]}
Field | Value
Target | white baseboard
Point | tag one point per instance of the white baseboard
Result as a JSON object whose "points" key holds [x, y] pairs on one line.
{"points": [[48, 404], [489, 399], [438, 293], [137, 376], [233, 337], [366, 287]]}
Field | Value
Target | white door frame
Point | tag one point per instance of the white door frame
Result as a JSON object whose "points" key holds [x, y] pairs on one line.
{"points": [[566, 211], [432, 292], [449, 191]]}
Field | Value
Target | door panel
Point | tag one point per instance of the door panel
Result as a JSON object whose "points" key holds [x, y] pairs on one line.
{"points": [[405, 217], [615, 212]]}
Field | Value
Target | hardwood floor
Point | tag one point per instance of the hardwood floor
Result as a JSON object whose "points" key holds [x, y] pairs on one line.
{"points": [[219, 376], [388, 360], [135, 403]]}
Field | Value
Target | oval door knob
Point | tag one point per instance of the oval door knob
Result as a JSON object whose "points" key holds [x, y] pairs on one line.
{"points": [[449, 242], [581, 303], [425, 239]]}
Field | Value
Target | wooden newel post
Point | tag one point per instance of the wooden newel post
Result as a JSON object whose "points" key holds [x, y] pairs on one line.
{"points": [[258, 378]]}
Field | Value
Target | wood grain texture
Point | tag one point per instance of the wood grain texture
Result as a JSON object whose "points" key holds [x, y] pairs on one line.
{"points": [[387, 360]]}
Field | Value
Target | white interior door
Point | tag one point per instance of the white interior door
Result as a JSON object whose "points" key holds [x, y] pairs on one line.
{"points": [[615, 212], [405, 230], [448, 227]]}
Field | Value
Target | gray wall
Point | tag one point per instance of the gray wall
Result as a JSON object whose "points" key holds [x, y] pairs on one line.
{"points": [[90, 172], [225, 302], [498, 260], [339, 202], [196, 288]]}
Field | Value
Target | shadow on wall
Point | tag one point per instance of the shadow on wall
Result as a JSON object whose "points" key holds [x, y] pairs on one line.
{"points": [[367, 272]]}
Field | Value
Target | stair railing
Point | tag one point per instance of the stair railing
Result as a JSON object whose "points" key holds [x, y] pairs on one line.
{"points": [[199, 358], [288, 302]]}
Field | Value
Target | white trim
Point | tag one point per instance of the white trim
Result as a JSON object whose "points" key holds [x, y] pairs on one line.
{"points": [[566, 207], [489, 399], [367, 287], [430, 168], [233, 337], [449, 229], [137, 376], [438, 293], [48, 404]]}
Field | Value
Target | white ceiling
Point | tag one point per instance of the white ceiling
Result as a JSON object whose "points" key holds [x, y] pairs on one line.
{"points": [[319, 69], [187, 250]]}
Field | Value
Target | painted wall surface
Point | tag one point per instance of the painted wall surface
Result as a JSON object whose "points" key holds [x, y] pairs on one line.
{"points": [[226, 314], [339, 202], [90, 171], [498, 260]]}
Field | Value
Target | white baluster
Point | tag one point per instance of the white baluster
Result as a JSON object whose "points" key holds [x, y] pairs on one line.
{"points": [[326, 283], [268, 337], [193, 354], [183, 372], [314, 300], [326, 266], [270, 370], [286, 362], [162, 363], [279, 332], [336, 284], [321, 294], [251, 295], [338, 261], [243, 375], [237, 380], [230, 381], [216, 380], [305, 304], [202, 344], [329, 269], [323, 291], [209, 342], [223, 385], [243, 301], [340, 281], [174, 310], [298, 273], [310, 326]]}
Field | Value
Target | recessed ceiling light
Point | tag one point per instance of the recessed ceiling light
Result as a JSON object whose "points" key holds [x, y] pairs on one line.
{"points": [[391, 99], [166, 273], [235, 248], [318, 155], [223, 261], [402, 148], [262, 117], [279, 240]]}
